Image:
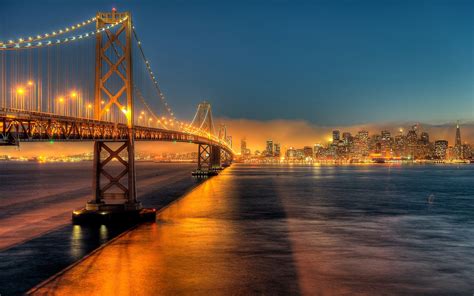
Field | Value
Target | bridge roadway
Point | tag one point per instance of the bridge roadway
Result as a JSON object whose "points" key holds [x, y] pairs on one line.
{"points": [[30, 126]]}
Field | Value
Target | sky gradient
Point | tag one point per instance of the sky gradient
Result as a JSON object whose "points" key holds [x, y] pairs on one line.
{"points": [[325, 62]]}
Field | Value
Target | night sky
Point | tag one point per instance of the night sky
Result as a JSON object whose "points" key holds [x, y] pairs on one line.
{"points": [[326, 62]]}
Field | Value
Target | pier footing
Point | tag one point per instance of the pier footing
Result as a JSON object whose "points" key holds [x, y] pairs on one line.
{"points": [[109, 215], [204, 173]]}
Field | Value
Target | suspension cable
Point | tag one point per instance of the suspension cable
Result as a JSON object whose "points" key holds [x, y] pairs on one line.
{"points": [[152, 76], [51, 34], [36, 44]]}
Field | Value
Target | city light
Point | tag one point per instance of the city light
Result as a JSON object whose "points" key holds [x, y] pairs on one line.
{"points": [[61, 99], [73, 94], [30, 83]]}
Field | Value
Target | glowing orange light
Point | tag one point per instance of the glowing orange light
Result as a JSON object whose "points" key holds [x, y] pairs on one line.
{"points": [[89, 106], [20, 90], [102, 102], [30, 83], [61, 99], [73, 94]]}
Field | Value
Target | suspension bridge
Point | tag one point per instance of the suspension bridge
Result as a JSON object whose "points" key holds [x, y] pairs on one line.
{"points": [[92, 81]]}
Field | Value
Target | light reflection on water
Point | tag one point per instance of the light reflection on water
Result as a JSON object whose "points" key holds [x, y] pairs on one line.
{"points": [[298, 230]]}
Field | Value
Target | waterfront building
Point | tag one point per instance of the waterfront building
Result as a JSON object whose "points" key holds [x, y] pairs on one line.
{"points": [[291, 153], [243, 146], [362, 149], [276, 151], [308, 151], [269, 151], [441, 149]]}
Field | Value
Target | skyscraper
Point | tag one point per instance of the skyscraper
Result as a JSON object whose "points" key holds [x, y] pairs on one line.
{"points": [[277, 151], [336, 135], [441, 149], [243, 146], [269, 151], [458, 144], [458, 136]]}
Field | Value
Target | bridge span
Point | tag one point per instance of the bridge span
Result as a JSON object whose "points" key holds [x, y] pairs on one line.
{"points": [[52, 90]]}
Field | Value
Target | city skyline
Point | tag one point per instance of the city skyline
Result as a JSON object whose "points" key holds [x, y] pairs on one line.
{"points": [[403, 144]]}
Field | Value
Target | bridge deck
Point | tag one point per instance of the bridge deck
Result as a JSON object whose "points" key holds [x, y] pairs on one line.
{"points": [[30, 126]]}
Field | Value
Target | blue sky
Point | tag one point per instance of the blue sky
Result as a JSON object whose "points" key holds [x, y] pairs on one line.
{"points": [[327, 62]]}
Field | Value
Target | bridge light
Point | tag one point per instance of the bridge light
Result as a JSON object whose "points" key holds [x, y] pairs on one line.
{"points": [[30, 83], [143, 112], [151, 119], [89, 106], [102, 102], [61, 99], [20, 90], [73, 94]]}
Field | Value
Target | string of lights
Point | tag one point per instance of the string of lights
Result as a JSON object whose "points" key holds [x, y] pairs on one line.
{"points": [[49, 42], [157, 118], [152, 76], [51, 34]]}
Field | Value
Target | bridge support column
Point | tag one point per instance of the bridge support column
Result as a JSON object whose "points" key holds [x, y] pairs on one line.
{"points": [[225, 159], [216, 158], [114, 187], [205, 161], [113, 184]]}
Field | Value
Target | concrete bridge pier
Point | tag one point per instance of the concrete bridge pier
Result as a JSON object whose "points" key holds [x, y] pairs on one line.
{"points": [[113, 185], [206, 161]]}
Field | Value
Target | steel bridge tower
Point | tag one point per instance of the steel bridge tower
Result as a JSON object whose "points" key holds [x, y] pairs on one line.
{"points": [[113, 91]]}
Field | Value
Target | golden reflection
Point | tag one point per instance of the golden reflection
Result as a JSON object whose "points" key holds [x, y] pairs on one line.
{"points": [[76, 243], [104, 233], [189, 244]]}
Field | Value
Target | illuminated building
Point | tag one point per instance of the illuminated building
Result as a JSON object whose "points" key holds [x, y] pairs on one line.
{"points": [[441, 149], [269, 151], [244, 151], [336, 136], [277, 151], [362, 144], [291, 153], [308, 151], [385, 135], [458, 153], [346, 138]]}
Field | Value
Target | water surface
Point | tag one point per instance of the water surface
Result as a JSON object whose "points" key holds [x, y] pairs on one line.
{"points": [[367, 230]]}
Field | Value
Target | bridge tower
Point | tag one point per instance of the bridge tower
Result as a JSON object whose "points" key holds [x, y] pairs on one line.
{"points": [[114, 190], [209, 156]]}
